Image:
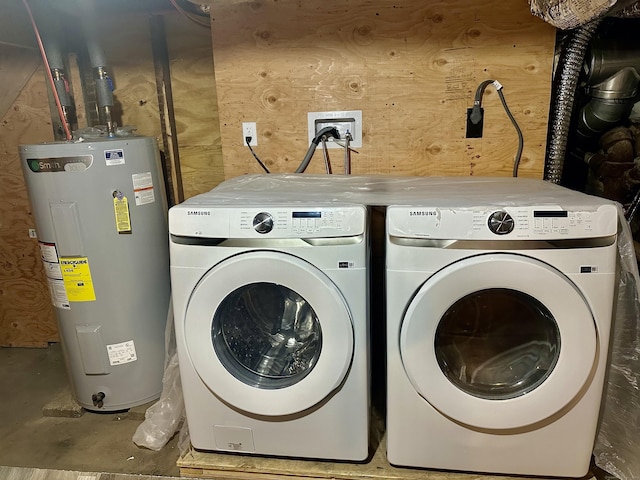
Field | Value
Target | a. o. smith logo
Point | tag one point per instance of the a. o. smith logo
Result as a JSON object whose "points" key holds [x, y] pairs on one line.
{"points": [[198, 212], [423, 213]]}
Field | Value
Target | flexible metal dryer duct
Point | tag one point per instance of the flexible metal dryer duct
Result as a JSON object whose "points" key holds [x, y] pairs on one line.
{"points": [[565, 84]]}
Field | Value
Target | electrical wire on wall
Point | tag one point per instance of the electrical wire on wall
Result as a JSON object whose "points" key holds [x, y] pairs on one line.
{"points": [[264, 167], [321, 136], [65, 126], [476, 115]]}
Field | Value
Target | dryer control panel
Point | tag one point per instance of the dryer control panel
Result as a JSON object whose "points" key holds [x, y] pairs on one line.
{"points": [[495, 223], [269, 221]]}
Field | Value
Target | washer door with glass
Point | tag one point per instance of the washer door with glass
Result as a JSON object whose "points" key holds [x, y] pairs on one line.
{"points": [[269, 333], [498, 341]]}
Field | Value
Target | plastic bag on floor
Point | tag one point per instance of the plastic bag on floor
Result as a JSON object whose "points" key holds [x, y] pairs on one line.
{"points": [[166, 416]]}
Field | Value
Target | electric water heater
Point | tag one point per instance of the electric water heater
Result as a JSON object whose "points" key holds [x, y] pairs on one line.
{"points": [[101, 217]]}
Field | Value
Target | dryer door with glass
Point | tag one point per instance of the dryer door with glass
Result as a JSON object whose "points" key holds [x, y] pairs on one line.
{"points": [[269, 333], [499, 341]]}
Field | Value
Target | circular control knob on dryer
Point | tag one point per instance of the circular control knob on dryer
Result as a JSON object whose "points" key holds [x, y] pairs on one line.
{"points": [[263, 222], [501, 222]]}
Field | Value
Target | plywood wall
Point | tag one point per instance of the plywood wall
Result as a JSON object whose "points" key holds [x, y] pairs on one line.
{"points": [[26, 314], [411, 67], [196, 104]]}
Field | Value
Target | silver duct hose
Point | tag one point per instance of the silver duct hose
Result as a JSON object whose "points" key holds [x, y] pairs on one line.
{"points": [[569, 67]]}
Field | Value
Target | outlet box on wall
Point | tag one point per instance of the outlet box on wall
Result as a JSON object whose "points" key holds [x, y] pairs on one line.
{"points": [[249, 130], [344, 121]]}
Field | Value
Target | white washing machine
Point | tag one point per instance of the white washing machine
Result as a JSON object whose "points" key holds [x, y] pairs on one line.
{"points": [[271, 316], [499, 307]]}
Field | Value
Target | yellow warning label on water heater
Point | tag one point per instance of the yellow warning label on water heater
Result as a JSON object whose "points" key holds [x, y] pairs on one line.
{"points": [[121, 209], [77, 279]]}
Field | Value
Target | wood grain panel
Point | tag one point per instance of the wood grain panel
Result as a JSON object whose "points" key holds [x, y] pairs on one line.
{"points": [[26, 314], [411, 67], [195, 104], [131, 64], [201, 168], [17, 65]]}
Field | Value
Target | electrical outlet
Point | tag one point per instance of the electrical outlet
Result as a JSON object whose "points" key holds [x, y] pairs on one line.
{"points": [[344, 121], [249, 130], [474, 128]]}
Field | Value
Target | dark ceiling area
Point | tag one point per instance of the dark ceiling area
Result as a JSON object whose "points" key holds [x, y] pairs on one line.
{"points": [[16, 29]]}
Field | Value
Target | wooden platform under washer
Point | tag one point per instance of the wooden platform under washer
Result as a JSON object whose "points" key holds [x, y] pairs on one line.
{"points": [[220, 466]]}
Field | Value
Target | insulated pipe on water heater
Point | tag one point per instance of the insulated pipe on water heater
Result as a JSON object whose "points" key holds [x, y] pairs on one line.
{"points": [[55, 60], [98, 59]]}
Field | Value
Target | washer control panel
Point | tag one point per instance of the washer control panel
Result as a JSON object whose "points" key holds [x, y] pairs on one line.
{"points": [[494, 223], [292, 222], [267, 221]]}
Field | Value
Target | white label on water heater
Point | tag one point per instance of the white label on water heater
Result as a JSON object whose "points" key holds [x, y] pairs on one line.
{"points": [[48, 252], [143, 188], [52, 271], [114, 157], [121, 353], [58, 294]]}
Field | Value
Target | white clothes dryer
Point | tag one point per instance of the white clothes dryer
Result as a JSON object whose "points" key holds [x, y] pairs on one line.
{"points": [[271, 316], [499, 307]]}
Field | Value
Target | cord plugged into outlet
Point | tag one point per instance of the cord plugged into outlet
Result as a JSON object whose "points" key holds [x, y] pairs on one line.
{"points": [[249, 131], [475, 118], [475, 121]]}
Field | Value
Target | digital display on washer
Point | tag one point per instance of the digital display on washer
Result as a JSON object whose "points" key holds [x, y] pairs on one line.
{"points": [[550, 214], [307, 214]]}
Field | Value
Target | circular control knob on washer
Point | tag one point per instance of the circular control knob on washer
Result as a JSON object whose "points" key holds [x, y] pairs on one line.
{"points": [[263, 222], [501, 222]]}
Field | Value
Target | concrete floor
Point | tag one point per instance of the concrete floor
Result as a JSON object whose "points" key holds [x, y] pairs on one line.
{"points": [[29, 380]]}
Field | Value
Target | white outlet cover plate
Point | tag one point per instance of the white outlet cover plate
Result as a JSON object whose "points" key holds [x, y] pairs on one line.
{"points": [[356, 141], [249, 130]]}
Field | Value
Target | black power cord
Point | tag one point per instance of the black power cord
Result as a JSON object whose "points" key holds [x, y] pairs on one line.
{"points": [[264, 167], [476, 116], [322, 134]]}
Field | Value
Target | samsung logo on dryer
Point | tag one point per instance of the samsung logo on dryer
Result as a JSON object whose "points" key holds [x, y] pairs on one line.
{"points": [[423, 213], [198, 212]]}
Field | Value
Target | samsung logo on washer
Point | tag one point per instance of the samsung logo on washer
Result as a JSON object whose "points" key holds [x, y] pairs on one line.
{"points": [[423, 213], [198, 212]]}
